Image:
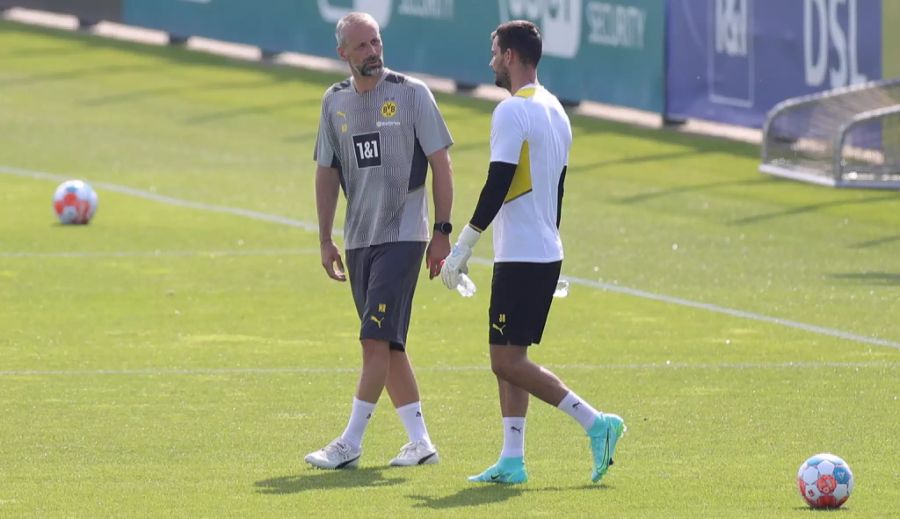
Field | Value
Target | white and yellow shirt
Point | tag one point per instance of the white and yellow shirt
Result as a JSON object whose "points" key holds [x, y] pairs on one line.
{"points": [[530, 129]]}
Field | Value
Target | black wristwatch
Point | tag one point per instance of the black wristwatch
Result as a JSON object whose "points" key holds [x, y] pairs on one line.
{"points": [[443, 227]]}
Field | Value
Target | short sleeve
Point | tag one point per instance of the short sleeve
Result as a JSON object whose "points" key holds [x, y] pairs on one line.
{"points": [[431, 130], [507, 132], [324, 153]]}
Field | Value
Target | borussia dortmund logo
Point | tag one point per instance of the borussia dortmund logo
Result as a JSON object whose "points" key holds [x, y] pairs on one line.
{"points": [[389, 109]]}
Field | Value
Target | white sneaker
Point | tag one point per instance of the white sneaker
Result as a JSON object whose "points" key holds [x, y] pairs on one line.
{"points": [[336, 455], [416, 453]]}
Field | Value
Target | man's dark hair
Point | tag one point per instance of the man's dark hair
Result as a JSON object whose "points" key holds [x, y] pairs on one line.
{"points": [[521, 36]]}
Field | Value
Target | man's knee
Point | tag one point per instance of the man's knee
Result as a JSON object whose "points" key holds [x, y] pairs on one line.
{"points": [[499, 367], [505, 364], [375, 350]]}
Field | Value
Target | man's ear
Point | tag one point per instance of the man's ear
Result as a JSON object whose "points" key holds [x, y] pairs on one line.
{"points": [[341, 53]]}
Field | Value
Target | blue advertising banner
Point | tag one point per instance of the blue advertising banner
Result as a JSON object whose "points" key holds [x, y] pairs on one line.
{"points": [[611, 51], [733, 60]]}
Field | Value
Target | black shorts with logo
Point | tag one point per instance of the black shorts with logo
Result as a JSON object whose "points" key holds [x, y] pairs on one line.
{"points": [[521, 294], [383, 280]]}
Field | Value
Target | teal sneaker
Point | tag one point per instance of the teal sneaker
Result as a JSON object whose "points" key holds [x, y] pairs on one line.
{"points": [[506, 470], [604, 435]]}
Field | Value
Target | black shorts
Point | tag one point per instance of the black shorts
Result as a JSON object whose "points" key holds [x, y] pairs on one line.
{"points": [[521, 294], [383, 280]]}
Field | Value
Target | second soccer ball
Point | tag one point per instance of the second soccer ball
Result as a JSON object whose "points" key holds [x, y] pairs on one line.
{"points": [[825, 481], [74, 202]]}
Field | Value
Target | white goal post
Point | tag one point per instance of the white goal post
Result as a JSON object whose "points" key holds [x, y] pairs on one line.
{"points": [[846, 137]]}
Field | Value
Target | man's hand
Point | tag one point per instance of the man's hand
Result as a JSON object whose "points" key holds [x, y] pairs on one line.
{"points": [[457, 262], [331, 261], [437, 250]]}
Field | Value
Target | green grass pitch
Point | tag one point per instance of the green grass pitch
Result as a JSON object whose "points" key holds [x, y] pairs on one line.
{"points": [[178, 356]]}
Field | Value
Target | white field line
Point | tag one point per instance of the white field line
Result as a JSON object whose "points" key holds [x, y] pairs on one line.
{"points": [[162, 253], [821, 330], [149, 195], [812, 328], [153, 372]]}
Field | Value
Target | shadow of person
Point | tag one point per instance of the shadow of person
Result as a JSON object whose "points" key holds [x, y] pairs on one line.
{"points": [[488, 494], [471, 496], [323, 480]]}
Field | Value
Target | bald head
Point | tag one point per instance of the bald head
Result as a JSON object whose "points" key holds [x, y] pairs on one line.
{"points": [[359, 44], [350, 21]]}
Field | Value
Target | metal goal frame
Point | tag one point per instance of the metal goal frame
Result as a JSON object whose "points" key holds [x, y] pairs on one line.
{"points": [[835, 143]]}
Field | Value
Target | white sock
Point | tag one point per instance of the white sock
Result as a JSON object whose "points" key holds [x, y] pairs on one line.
{"points": [[360, 415], [578, 409], [411, 416], [513, 437]]}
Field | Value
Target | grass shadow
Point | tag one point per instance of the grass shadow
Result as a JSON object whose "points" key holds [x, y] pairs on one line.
{"points": [[479, 495], [248, 110], [875, 243], [882, 279], [820, 510], [691, 144], [324, 480], [81, 72], [470, 496], [813, 208], [31, 52], [634, 159], [691, 189], [136, 95]]}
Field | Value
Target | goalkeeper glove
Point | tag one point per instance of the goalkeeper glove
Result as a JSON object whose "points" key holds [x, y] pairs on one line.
{"points": [[456, 263]]}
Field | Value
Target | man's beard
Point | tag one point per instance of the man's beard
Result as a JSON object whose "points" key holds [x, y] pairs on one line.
{"points": [[501, 79], [371, 68]]}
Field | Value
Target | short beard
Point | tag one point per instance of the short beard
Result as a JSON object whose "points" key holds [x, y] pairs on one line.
{"points": [[370, 69], [502, 80]]}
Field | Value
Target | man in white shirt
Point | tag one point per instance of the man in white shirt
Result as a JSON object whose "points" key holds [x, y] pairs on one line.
{"points": [[530, 141]]}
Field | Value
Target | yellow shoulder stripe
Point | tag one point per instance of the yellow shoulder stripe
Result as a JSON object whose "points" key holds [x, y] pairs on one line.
{"points": [[521, 183], [525, 92]]}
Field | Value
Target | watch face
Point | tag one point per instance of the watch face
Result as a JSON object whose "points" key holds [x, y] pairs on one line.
{"points": [[443, 227]]}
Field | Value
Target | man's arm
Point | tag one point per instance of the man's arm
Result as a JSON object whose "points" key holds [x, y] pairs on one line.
{"points": [[493, 194], [442, 191], [496, 187], [507, 136], [327, 188]]}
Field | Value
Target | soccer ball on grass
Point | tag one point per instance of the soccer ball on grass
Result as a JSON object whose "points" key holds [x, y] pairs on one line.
{"points": [[74, 202], [825, 481]]}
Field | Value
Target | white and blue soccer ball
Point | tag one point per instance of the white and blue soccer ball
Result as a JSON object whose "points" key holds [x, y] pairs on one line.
{"points": [[74, 202], [825, 481]]}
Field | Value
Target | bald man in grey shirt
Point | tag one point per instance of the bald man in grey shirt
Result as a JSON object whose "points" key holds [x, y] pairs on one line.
{"points": [[378, 133]]}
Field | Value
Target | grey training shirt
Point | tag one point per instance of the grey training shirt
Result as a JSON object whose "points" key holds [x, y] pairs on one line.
{"points": [[379, 141]]}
